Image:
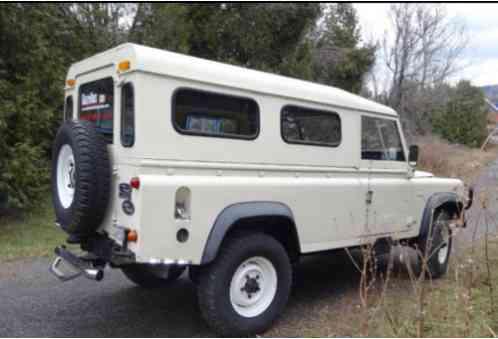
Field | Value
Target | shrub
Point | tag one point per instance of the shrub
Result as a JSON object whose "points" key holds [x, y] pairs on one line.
{"points": [[463, 118]]}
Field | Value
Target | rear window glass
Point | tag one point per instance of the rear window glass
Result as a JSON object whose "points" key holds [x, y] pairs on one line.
{"points": [[301, 125], [68, 108], [96, 104], [218, 115], [127, 115]]}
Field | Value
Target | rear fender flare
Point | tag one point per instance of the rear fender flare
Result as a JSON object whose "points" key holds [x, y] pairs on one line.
{"points": [[233, 213]]}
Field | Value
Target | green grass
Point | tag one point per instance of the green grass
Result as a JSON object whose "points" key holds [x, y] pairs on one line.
{"points": [[33, 235]]}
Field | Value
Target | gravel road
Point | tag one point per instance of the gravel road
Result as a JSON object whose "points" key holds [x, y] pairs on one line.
{"points": [[33, 303]]}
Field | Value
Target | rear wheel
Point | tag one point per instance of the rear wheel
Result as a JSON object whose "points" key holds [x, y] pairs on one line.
{"points": [[152, 276], [247, 286]]}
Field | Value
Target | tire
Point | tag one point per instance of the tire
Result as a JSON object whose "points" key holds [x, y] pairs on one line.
{"points": [[193, 274], [436, 247], [148, 276], [81, 178], [238, 263]]}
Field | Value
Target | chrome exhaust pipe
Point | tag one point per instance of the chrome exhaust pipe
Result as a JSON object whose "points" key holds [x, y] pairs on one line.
{"points": [[94, 274]]}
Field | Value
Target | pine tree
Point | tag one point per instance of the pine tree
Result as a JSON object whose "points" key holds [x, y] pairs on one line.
{"points": [[338, 58], [463, 118]]}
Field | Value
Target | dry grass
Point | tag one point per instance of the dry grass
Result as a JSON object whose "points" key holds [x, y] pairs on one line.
{"points": [[462, 304], [452, 160]]}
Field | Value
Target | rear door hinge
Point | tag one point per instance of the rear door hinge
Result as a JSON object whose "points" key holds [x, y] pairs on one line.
{"points": [[369, 197]]}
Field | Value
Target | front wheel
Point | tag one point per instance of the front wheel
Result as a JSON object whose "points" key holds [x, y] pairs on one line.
{"points": [[436, 247], [247, 286]]}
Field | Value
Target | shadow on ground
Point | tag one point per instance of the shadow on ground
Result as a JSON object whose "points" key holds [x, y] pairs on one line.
{"points": [[35, 304]]}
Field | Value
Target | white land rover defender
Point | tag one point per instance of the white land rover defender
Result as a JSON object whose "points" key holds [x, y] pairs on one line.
{"points": [[167, 162]]}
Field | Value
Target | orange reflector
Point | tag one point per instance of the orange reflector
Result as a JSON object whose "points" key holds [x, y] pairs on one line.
{"points": [[71, 82], [124, 65], [132, 236]]}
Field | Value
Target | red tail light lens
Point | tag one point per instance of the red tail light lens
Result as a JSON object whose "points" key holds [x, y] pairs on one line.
{"points": [[135, 183]]}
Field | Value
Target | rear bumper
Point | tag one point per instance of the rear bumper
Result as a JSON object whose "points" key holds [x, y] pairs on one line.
{"points": [[101, 251], [107, 250]]}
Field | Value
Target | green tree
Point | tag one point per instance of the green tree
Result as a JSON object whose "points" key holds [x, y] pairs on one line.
{"points": [[463, 118], [31, 92], [39, 42], [269, 37], [163, 26], [338, 57]]}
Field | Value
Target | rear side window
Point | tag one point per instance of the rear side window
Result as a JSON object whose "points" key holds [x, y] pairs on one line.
{"points": [[211, 114], [380, 140], [308, 126], [127, 115], [96, 104], [68, 108]]}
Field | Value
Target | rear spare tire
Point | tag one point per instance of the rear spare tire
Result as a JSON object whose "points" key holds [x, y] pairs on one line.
{"points": [[81, 178]]}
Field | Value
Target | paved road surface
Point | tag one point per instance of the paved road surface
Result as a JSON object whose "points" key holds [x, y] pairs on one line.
{"points": [[33, 303]]}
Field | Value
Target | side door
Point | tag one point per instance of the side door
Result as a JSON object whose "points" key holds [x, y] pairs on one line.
{"points": [[385, 177]]}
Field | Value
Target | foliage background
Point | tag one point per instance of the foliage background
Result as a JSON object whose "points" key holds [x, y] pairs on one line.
{"points": [[38, 42]]}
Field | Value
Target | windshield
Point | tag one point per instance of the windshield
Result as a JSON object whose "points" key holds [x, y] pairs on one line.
{"points": [[96, 104]]}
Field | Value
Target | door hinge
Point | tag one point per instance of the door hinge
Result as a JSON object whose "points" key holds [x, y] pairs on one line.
{"points": [[369, 197]]}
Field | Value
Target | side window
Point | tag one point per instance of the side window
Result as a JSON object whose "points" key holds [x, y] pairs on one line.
{"points": [[127, 115], [309, 126], [68, 108], [380, 140], [96, 104], [217, 115]]}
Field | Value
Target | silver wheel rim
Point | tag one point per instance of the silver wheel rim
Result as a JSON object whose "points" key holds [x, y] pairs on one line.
{"points": [[253, 287], [444, 249], [65, 176]]}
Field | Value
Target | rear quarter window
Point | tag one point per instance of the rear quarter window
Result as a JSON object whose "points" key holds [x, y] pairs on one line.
{"points": [[301, 125], [68, 108], [127, 115], [96, 104]]}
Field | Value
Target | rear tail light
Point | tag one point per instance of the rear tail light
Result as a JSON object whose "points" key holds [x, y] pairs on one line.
{"points": [[135, 183]]}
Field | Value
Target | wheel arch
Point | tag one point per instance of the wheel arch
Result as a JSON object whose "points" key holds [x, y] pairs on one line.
{"points": [[448, 201], [271, 217]]}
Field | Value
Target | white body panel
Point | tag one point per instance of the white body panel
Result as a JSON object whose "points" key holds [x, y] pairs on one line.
{"points": [[324, 187]]}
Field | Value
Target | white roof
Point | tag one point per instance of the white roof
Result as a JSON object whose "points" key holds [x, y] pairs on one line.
{"points": [[153, 60]]}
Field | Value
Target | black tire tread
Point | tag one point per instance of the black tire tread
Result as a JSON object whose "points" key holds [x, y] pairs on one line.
{"points": [[435, 269], [209, 278], [93, 177]]}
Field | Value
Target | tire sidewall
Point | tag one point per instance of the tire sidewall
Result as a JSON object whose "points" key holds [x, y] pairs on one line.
{"points": [[435, 267], [64, 215], [92, 178]]}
